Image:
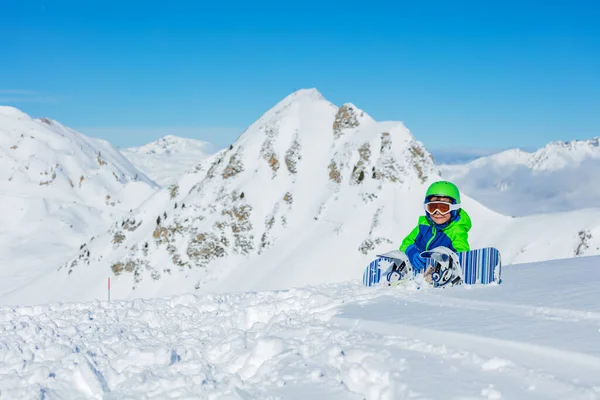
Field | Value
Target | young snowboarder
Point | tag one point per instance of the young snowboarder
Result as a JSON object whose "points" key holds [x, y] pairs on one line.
{"points": [[438, 248], [445, 223]]}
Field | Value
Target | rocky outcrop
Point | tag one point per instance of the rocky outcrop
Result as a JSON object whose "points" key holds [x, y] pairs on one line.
{"points": [[346, 118]]}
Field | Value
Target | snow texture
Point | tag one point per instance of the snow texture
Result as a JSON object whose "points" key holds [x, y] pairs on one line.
{"points": [[535, 336]]}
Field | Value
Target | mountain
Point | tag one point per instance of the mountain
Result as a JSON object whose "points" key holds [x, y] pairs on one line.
{"points": [[535, 336], [308, 194], [168, 158], [560, 176], [307, 173], [57, 186]]}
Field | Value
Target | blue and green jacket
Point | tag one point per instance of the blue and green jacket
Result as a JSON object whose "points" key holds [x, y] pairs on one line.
{"points": [[428, 235]]}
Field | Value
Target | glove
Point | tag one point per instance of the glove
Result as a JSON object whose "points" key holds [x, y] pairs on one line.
{"points": [[414, 255]]}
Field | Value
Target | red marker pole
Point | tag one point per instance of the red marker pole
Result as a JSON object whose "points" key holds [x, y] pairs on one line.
{"points": [[109, 289]]}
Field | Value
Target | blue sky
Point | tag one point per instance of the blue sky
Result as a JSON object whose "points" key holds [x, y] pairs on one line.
{"points": [[461, 75]]}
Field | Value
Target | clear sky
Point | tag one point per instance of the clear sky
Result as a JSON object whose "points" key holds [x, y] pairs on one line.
{"points": [[459, 74]]}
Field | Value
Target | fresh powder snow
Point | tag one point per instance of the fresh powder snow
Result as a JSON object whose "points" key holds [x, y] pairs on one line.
{"points": [[534, 336]]}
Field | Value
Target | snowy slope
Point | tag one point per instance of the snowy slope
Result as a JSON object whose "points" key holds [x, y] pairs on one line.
{"points": [[57, 187], [308, 194], [306, 170], [535, 336], [558, 177], [168, 158]]}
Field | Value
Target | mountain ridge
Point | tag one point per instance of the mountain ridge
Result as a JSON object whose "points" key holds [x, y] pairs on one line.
{"points": [[57, 186]]}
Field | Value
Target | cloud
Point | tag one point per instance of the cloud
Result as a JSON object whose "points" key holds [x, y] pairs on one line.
{"points": [[14, 96]]}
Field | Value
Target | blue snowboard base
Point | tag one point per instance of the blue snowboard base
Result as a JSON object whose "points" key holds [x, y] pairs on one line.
{"points": [[479, 267]]}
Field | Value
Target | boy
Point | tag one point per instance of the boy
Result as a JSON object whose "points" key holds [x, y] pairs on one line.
{"points": [[445, 224]]}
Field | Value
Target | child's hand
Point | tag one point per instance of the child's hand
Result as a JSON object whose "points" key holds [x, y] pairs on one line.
{"points": [[414, 255]]}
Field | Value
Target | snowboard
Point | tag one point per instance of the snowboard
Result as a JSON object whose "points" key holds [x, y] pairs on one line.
{"points": [[475, 267]]}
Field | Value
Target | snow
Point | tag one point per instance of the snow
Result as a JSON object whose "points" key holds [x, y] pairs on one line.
{"points": [[168, 158], [57, 187], [559, 177], [292, 181], [535, 336], [240, 277], [307, 195]]}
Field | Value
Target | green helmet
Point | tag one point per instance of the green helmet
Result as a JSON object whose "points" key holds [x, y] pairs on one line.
{"points": [[444, 188]]}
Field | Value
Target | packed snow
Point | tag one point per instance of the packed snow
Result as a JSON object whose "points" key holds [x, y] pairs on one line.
{"points": [[559, 177], [168, 158], [535, 336]]}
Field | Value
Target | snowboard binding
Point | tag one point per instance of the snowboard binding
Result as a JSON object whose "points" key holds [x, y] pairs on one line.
{"points": [[399, 268], [397, 272], [445, 270]]}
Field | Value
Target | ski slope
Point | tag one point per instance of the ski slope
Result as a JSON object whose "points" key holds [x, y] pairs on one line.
{"points": [[535, 336]]}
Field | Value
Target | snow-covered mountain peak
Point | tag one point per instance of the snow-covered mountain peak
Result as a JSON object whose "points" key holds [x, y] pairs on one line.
{"points": [[288, 106], [12, 112], [560, 176], [511, 156], [297, 97], [560, 154], [170, 145], [168, 158], [309, 93], [553, 156], [305, 165], [41, 157]]}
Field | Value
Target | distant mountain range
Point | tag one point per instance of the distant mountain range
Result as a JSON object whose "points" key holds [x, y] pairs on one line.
{"points": [[169, 157], [561, 176]]}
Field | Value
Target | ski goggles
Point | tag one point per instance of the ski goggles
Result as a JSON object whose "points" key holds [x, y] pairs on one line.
{"points": [[441, 207]]}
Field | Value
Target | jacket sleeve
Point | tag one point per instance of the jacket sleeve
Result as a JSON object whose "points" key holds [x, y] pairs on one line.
{"points": [[410, 239], [460, 240]]}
